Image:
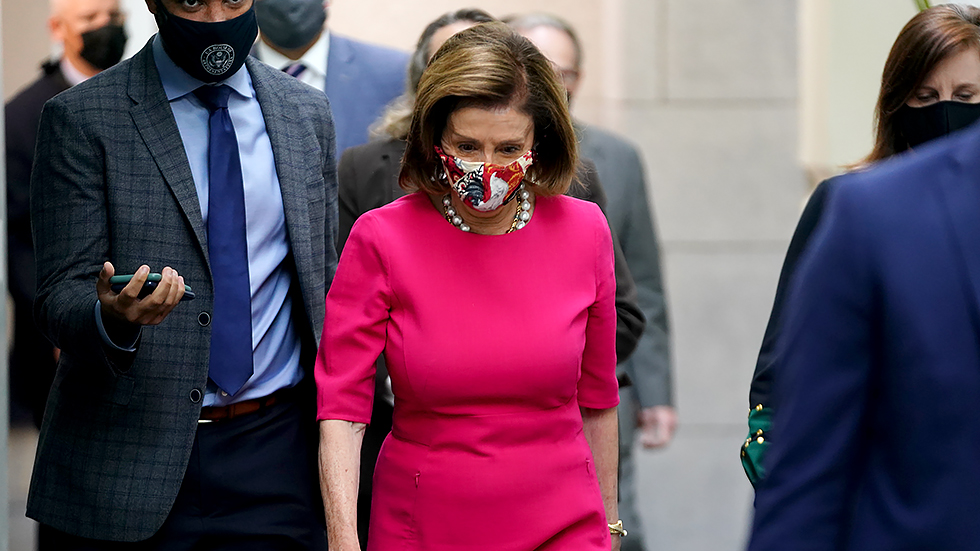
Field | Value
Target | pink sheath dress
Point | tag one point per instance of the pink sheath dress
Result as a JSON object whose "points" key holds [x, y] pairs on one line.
{"points": [[492, 344]]}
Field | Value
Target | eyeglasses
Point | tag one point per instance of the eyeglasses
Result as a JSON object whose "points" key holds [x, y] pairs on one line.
{"points": [[569, 77]]}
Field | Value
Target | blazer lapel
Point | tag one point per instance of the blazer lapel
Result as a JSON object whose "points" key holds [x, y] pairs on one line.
{"points": [[288, 133], [959, 186], [157, 127]]}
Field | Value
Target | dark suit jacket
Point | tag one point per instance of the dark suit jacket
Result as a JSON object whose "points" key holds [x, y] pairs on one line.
{"points": [[369, 179], [22, 115], [877, 426], [31, 357], [766, 365], [112, 182], [628, 210], [361, 80]]}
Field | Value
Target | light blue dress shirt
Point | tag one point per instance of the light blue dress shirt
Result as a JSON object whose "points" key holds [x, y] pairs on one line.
{"points": [[275, 342]]}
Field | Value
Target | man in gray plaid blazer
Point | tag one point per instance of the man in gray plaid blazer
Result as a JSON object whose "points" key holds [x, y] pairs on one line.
{"points": [[138, 443]]}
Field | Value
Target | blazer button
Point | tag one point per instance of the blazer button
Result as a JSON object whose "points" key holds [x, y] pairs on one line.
{"points": [[196, 395], [204, 319]]}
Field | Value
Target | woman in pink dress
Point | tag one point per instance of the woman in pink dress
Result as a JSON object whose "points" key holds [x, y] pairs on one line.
{"points": [[491, 296]]}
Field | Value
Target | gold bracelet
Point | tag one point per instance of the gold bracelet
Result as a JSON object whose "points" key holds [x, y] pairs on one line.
{"points": [[617, 529]]}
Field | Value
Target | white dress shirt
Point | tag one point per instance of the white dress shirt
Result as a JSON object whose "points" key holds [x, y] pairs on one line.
{"points": [[315, 60]]}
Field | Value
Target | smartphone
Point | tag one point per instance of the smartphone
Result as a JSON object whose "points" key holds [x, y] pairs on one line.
{"points": [[152, 280]]}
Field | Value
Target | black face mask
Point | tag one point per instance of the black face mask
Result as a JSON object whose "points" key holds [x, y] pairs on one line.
{"points": [[208, 52], [103, 47], [917, 125], [290, 24]]}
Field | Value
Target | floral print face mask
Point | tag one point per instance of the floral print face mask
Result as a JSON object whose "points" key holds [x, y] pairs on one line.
{"points": [[485, 186]]}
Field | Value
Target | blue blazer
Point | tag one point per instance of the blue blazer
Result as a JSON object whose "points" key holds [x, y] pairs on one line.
{"points": [[876, 440], [361, 80]]}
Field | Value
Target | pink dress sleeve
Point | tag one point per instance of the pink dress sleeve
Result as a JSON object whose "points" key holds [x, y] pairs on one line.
{"points": [[598, 387], [354, 328]]}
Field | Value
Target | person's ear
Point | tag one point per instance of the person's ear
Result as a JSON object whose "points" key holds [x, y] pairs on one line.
{"points": [[56, 27]]}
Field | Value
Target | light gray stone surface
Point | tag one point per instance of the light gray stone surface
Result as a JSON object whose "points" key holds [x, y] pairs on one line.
{"points": [[694, 497], [644, 45], [731, 49], [720, 303], [720, 173], [20, 461], [711, 101]]}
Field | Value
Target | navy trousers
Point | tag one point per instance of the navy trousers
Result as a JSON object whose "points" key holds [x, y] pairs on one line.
{"points": [[251, 485]]}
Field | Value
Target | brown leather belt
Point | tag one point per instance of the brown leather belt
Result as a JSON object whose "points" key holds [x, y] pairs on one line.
{"points": [[221, 413]]}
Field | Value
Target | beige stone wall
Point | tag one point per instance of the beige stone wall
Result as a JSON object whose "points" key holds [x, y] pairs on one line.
{"points": [[843, 50], [25, 42]]}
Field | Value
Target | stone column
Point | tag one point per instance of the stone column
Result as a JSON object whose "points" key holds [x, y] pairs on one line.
{"points": [[710, 96], [843, 47]]}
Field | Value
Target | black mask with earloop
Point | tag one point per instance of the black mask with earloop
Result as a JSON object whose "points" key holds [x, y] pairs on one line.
{"points": [[290, 24], [104, 47], [918, 125], [209, 52]]}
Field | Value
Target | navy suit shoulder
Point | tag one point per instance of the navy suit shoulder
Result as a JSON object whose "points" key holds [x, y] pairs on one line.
{"points": [[386, 65], [878, 355], [361, 80], [22, 114], [24, 109], [761, 388]]}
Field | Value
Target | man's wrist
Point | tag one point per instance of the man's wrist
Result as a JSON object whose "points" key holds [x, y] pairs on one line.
{"points": [[118, 334]]}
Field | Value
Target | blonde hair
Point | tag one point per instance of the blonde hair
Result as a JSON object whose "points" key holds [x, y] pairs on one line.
{"points": [[491, 66]]}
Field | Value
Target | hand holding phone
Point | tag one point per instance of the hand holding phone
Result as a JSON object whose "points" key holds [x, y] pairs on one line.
{"points": [[131, 308], [152, 280]]}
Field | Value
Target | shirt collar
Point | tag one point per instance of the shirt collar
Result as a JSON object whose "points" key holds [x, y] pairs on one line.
{"points": [[72, 75], [314, 59], [177, 83]]}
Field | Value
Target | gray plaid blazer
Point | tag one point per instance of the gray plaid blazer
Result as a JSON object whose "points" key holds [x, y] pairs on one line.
{"points": [[111, 181]]}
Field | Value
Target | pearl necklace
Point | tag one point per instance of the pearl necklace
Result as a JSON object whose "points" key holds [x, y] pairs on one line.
{"points": [[521, 217]]}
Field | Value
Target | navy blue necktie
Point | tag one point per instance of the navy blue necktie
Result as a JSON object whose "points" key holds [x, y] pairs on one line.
{"points": [[294, 70], [231, 321]]}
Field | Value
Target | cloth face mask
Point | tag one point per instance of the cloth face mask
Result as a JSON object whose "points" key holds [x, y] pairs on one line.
{"points": [[485, 186], [921, 124], [290, 24], [209, 52], [104, 47]]}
